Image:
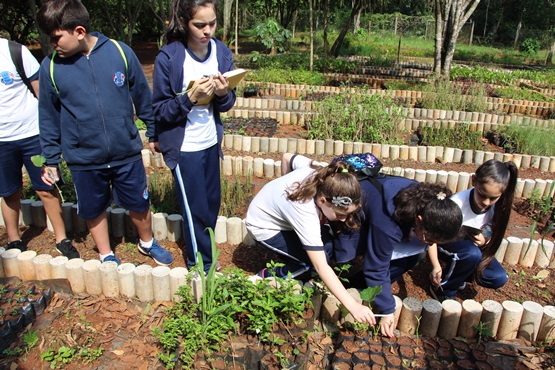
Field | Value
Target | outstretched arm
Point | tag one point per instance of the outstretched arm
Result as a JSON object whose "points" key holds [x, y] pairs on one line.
{"points": [[360, 312], [435, 274]]}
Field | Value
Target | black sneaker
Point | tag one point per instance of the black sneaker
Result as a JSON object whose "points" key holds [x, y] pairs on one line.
{"points": [[17, 244], [436, 293], [66, 248]]}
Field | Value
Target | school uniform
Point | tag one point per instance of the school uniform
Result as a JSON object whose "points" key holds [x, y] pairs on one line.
{"points": [[468, 254], [287, 227], [377, 239], [19, 125], [87, 108], [190, 137]]}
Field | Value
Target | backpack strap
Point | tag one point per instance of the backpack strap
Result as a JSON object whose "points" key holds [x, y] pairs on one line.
{"points": [[17, 59], [115, 43]]}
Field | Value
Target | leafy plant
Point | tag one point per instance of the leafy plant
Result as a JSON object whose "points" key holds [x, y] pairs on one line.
{"points": [[89, 355], [190, 326], [30, 339], [357, 116], [273, 35], [484, 331], [163, 197], [40, 161], [235, 193], [64, 355]]}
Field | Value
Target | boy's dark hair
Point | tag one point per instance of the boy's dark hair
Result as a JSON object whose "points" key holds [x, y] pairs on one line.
{"points": [[441, 217], [181, 13], [62, 15]]}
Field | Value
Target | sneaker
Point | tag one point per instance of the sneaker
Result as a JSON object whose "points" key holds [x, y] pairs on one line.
{"points": [[463, 286], [158, 254], [17, 244], [435, 293], [66, 248], [111, 258]]}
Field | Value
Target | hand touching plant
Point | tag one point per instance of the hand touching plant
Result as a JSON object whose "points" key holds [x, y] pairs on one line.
{"points": [[48, 175]]}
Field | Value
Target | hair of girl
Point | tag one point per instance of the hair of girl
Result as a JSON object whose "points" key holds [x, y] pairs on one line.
{"points": [[441, 217], [182, 11], [504, 174], [330, 181]]}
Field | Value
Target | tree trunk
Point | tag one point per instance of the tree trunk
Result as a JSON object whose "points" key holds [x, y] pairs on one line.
{"points": [[325, 26], [294, 24], [518, 28], [356, 21], [549, 60], [227, 20], [44, 40], [236, 27], [311, 36], [357, 5], [451, 15]]}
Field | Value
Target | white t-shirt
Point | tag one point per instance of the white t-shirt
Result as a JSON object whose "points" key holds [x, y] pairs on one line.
{"points": [[408, 247], [271, 212], [470, 218], [200, 130], [18, 107]]}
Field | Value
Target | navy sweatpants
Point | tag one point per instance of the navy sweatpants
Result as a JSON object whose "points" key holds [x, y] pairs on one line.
{"points": [[199, 198], [470, 255]]}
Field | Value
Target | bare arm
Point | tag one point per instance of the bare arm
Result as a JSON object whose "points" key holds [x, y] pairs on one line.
{"points": [[435, 274], [35, 86]]}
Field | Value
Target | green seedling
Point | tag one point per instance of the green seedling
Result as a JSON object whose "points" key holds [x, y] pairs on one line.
{"points": [[30, 339], [40, 161], [484, 331]]}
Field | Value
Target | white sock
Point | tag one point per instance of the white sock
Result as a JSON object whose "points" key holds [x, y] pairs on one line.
{"points": [[146, 245], [102, 256]]}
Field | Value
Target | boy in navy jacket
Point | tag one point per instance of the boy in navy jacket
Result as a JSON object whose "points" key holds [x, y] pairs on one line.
{"points": [[90, 89]]}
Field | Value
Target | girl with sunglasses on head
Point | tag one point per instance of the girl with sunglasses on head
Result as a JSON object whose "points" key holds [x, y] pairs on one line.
{"points": [[290, 216]]}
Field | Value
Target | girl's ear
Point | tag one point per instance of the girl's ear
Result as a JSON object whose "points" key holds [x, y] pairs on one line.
{"points": [[320, 201]]}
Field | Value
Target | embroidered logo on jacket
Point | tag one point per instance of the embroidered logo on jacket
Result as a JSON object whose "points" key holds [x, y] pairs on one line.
{"points": [[119, 78], [7, 77]]}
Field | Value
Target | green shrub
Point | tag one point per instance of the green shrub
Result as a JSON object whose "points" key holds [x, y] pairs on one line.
{"points": [[462, 135], [287, 76], [530, 140], [450, 96], [521, 93], [67, 188], [530, 46], [236, 193], [163, 197], [357, 116]]}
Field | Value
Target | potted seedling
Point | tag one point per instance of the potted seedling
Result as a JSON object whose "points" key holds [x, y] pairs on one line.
{"points": [[40, 161]]}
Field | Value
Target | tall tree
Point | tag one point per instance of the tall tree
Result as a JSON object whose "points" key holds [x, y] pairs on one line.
{"points": [[451, 15], [357, 6], [227, 19]]}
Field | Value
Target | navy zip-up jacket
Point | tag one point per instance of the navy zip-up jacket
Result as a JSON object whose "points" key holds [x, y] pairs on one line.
{"points": [[90, 121], [376, 237], [171, 109]]}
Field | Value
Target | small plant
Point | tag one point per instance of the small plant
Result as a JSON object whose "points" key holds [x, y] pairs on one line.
{"points": [[40, 161], [64, 355], [89, 355], [163, 196], [30, 339], [9, 352], [236, 192], [484, 331], [417, 329]]}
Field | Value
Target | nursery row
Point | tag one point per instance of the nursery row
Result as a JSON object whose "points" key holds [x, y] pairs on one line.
{"points": [[506, 320]]}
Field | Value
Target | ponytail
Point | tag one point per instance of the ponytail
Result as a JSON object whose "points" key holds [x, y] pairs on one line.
{"points": [[506, 175]]}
